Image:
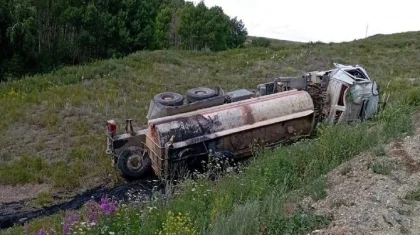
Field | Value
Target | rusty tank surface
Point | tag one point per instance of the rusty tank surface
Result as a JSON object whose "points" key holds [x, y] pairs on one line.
{"points": [[229, 128]]}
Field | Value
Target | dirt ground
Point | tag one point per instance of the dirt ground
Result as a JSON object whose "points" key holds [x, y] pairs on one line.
{"points": [[17, 193], [366, 201]]}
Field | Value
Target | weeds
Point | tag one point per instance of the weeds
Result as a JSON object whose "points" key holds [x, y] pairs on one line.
{"points": [[379, 151], [44, 198], [300, 223], [413, 196], [317, 189], [381, 168], [68, 176], [242, 220], [412, 97], [80, 128], [81, 153], [28, 169], [40, 145]]}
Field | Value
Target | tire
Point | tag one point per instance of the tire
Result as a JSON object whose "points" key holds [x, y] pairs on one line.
{"points": [[133, 163], [169, 99], [200, 93]]}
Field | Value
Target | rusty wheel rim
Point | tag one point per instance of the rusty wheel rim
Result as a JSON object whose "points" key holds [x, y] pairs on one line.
{"points": [[200, 92], [167, 97], [134, 162]]}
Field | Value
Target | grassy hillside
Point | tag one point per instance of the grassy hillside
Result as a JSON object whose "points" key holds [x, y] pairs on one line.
{"points": [[53, 131], [53, 124]]}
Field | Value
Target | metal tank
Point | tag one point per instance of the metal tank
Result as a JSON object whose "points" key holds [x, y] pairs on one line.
{"points": [[232, 127]]}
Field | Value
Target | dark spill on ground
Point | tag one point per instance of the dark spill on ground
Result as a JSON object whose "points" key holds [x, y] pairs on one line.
{"points": [[14, 213]]}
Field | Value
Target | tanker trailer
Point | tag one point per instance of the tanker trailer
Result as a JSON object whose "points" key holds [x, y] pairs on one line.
{"points": [[223, 124], [229, 129]]}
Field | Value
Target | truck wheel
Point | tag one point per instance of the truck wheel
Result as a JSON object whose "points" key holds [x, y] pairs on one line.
{"points": [[134, 163], [169, 99], [200, 93]]}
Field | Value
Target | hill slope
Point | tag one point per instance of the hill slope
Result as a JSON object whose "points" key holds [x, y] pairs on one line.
{"points": [[53, 131], [53, 124]]}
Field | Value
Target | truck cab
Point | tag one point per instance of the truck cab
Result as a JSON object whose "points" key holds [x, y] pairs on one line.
{"points": [[351, 94]]}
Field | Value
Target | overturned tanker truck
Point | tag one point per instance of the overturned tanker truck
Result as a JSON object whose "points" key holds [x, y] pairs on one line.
{"points": [[228, 124]]}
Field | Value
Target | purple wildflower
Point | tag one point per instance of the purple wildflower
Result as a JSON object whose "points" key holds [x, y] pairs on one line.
{"points": [[69, 222], [42, 232], [107, 206], [93, 212]]}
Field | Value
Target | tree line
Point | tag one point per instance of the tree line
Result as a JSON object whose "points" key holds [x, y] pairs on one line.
{"points": [[41, 35]]}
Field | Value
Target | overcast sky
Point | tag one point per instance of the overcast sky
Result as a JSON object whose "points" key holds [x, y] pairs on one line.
{"points": [[323, 20]]}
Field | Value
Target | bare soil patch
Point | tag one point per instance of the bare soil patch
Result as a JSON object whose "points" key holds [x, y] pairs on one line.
{"points": [[363, 201], [22, 192]]}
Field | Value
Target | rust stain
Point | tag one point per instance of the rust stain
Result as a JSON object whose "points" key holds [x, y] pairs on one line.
{"points": [[247, 115], [153, 130]]}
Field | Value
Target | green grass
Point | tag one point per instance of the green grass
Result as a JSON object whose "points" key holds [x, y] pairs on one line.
{"points": [[44, 198], [379, 151], [381, 168], [413, 196], [83, 97], [301, 223], [317, 189], [69, 173], [28, 169]]}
